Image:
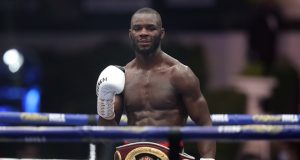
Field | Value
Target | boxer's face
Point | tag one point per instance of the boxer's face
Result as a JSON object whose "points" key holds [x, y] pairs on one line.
{"points": [[145, 33]]}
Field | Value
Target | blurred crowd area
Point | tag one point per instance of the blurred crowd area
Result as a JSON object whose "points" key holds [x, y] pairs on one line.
{"points": [[52, 52]]}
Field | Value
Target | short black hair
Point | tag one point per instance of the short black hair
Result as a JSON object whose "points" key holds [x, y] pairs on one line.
{"points": [[148, 10]]}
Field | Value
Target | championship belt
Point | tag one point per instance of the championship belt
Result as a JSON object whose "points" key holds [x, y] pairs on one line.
{"points": [[145, 151]]}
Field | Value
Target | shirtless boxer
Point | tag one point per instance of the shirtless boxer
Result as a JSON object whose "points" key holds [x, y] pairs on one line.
{"points": [[156, 89]]}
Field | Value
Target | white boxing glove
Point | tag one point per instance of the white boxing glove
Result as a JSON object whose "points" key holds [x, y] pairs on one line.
{"points": [[111, 81]]}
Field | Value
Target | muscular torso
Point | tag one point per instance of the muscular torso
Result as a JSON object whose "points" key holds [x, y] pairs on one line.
{"points": [[150, 97]]}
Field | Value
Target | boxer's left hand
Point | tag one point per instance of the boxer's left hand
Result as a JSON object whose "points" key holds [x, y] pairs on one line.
{"points": [[110, 82]]}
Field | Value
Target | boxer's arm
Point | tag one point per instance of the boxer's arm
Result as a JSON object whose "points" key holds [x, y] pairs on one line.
{"points": [[189, 88]]}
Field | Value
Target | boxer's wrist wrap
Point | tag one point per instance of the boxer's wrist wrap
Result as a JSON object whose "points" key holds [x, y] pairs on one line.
{"points": [[105, 109]]}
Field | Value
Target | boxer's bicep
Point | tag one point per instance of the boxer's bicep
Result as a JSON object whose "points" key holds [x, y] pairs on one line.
{"points": [[198, 110], [197, 107], [194, 101]]}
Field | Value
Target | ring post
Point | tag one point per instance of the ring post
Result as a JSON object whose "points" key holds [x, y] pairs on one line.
{"points": [[174, 139], [92, 153]]}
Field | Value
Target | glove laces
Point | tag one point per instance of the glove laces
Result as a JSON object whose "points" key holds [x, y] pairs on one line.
{"points": [[106, 108]]}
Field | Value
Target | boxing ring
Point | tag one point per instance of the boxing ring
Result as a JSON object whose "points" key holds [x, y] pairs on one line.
{"points": [[53, 127]]}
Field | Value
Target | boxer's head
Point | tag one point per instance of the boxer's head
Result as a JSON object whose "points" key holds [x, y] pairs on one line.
{"points": [[146, 31]]}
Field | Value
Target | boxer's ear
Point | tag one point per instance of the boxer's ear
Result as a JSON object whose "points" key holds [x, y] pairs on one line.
{"points": [[129, 34], [162, 33]]}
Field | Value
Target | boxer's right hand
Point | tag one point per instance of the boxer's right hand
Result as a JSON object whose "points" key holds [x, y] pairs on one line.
{"points": [[111, 81]]}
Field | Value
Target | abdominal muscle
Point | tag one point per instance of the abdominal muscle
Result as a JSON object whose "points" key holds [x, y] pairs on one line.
{"points": [[156, 118]]}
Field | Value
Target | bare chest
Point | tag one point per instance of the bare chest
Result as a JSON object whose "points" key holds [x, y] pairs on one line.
{"points": [[149, 91]]}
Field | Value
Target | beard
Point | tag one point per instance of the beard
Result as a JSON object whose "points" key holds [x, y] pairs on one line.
{"points": [[146, 50]]}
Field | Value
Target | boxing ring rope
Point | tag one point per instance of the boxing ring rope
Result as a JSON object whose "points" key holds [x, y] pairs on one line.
{"points": [[55, 127], [99, 133], [85, 119]]}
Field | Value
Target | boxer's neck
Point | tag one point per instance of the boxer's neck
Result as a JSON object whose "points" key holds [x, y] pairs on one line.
{"points": [[147, 61]]}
